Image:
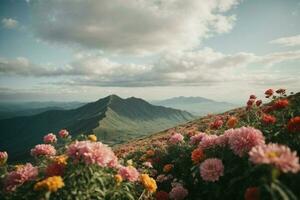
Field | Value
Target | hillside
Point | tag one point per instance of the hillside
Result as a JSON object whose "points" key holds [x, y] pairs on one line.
{"points": [[112, 119], [196, 105]]}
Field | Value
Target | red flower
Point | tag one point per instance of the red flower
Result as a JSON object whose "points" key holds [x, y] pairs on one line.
{"points": [[197, 155], [216, 124], [162, 195], [55, 169], [258, 103], [269, 93], [252, 96], [280, 91], [252, 193], [268, 119], [294, 124], [280, 104], [250, 102]]}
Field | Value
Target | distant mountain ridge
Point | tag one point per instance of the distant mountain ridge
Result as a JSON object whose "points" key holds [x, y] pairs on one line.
{"points": [[196, 105], [113, 119]]}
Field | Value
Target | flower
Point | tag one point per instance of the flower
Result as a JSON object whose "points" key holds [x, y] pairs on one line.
{"points": [[168, 167], [252, 96], [197, 155], [19, 176], [92, 138], [55, 169], [280, 104], [269, 93], [118, 178], [178, 192], [161, 178], [147, 164], [252, 193], [162, 195], [232, 122], [43, 150], [280, 91], [3, 157], [277, 155], [150, 153], [268, 119], [241, 140], [129, 173], [176, 138], [197, 138], [148, 182], [258, 103], [61, 159], [208, 141], [250, 102], [92, 153], [50, 138], [51, 184], [218, 123], [211, 169], [63, 133], [294, 124]]}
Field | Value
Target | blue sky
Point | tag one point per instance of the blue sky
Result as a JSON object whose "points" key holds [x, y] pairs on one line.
{"points": [[83, 50]]}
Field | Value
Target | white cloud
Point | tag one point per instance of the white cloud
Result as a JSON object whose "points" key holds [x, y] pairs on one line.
{"points": [[9, 23], [287, 41], [202, 67], [132, 26]]}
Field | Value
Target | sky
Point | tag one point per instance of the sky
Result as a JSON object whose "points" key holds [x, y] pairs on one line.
{"points": [[82, 50]]}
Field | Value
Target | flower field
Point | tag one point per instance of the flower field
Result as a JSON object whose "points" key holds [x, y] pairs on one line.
{"points": [[249, 153]]}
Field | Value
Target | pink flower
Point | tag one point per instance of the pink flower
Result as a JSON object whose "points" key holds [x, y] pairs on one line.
{"points": [[50, 138], [208, 141], [148, 164], [176, 138], [92, 153], [211, 169], [218, 123], [3, 157], [241, 140], [43, 150], [178, 193], [277, 155], [63, 133], [129, 173], [197, 138], [20, 176]]}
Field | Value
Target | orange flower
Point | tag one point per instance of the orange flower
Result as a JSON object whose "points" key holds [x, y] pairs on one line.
{"points": [[168, 168], [197, 155], [252, 193], [150, 153], [232, 121], [294, 124], [281, 103], [268, 119]]}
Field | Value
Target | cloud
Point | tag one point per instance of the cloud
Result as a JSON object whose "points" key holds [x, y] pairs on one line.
{"points": [[191, 68], [143, 26], [287, 41], [9, 23]]}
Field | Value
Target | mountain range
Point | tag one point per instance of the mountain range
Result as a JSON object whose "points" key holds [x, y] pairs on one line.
{"points": [[114, 120], [196, 105]]}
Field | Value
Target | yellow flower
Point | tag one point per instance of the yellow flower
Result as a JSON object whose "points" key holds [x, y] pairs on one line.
{"points": [[118, 178], [168, 168], [148, 182], [19, 166], [92, 138], [129, 162], [51, 184], [62, 159]]}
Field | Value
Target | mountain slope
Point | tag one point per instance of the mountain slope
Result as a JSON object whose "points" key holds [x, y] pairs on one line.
{"points": [[196, 105], [112, 119]]}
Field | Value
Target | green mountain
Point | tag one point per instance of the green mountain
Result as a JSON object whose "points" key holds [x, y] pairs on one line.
{"points": [[196, 105], [113, 119]]}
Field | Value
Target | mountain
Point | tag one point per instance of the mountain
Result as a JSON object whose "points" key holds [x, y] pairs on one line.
{"points": [[196, 105], [113, 119], [14, 109]]}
